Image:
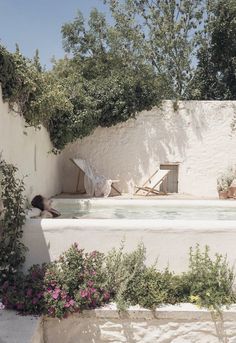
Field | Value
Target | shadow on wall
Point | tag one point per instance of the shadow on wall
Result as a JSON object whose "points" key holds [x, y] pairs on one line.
{"points": [[34, 238], [128, 330], [133, 150]]}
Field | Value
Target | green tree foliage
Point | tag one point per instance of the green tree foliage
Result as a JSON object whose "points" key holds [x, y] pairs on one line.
{"points": [[113, 70], [163, 33], [215, 76], [104, 87]]}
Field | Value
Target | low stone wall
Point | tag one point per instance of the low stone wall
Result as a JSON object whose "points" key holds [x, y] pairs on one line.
{"points": [[168, 324]]}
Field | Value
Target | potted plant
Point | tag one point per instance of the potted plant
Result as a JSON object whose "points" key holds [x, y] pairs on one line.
{"points": [[222, 186], [224, 183]]}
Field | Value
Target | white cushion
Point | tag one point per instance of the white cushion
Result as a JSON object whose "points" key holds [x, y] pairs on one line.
{"points": [[33, 212]]}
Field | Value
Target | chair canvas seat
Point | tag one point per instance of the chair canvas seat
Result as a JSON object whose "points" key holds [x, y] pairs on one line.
{"points": [[150, 186], [86, 168]]}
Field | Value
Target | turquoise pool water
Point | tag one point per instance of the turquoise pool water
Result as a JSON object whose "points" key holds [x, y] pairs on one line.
{"points": [[159, 212]]}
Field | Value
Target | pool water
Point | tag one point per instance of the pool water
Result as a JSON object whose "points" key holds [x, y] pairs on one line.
{"points": [[160, 212]]}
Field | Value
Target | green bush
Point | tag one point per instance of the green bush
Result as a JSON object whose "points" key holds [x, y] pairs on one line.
{"points": [[77, 281], [123, 270], [210, 280], [80, 280], [25, 293], [155, 288], [12, 219]]}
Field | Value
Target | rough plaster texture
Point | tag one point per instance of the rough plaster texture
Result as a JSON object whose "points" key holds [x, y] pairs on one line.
{"points": [[173, 324], [28, 149], [197, 136], [46, 239], [167, 324]]}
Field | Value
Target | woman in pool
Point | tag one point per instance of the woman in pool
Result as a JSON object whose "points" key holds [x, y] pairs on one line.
{"points": [[45, 205]]}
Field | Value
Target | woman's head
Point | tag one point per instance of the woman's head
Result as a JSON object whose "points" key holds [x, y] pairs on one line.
{"points": [[41, 202]]}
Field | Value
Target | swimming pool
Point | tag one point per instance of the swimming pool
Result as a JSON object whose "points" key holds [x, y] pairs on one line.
{"points": [[168, 228], [146, 209]]}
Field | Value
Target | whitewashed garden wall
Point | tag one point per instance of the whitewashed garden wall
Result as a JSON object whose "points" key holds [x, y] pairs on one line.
{"points": [[29, 150], [198, 136]]}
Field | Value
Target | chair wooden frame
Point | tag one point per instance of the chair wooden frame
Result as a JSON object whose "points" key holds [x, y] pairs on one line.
{"points": [[153, 189], [79, 175]]}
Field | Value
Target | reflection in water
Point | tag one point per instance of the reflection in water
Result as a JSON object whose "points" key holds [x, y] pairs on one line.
{"points": [[147, 212]]}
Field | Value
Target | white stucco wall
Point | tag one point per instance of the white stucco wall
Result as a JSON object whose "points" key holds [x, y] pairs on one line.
{"points": [[166, 241], [29, 150], [183, 323], [198, 136]]}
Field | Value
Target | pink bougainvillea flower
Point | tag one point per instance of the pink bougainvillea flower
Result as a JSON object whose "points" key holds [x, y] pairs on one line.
{"points": [[84, 293], [39, 295], [56, 293], [34, 275], [69, 303], [51, 311], [106, 296], [90, 283], [34, 301], [29, 292], [72, 302], [64, 295]]}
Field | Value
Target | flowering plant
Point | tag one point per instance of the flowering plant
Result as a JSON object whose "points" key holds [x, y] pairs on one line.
{"points": [[26, 293], [75, 282]]}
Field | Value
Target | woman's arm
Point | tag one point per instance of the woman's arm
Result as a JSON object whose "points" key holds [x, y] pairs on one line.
{"points": [[46, 214]]}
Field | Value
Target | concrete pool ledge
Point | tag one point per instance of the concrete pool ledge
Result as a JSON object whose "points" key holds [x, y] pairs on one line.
{"points": [[146, 201], [60, 225], [167, 240]]}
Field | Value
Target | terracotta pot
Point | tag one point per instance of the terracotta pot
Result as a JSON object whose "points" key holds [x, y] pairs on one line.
{"points": [[223, 194], [232, 192]]}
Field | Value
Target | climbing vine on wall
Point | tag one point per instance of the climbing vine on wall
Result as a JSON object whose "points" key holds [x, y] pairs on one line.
{"points": [[12, 218]]}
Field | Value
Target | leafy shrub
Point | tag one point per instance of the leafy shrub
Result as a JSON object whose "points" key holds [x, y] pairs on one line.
{"points": [[123, 270], [80, 280], [76, 282], [154, 288], [26, 293], [12, 254], [210, 280]]}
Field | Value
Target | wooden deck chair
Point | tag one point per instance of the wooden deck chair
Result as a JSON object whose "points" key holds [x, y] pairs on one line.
{"points": [[153, 182], [83, 166]]}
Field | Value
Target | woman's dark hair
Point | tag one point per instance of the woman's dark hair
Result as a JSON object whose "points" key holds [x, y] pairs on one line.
{"points": [[38, 202]]}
